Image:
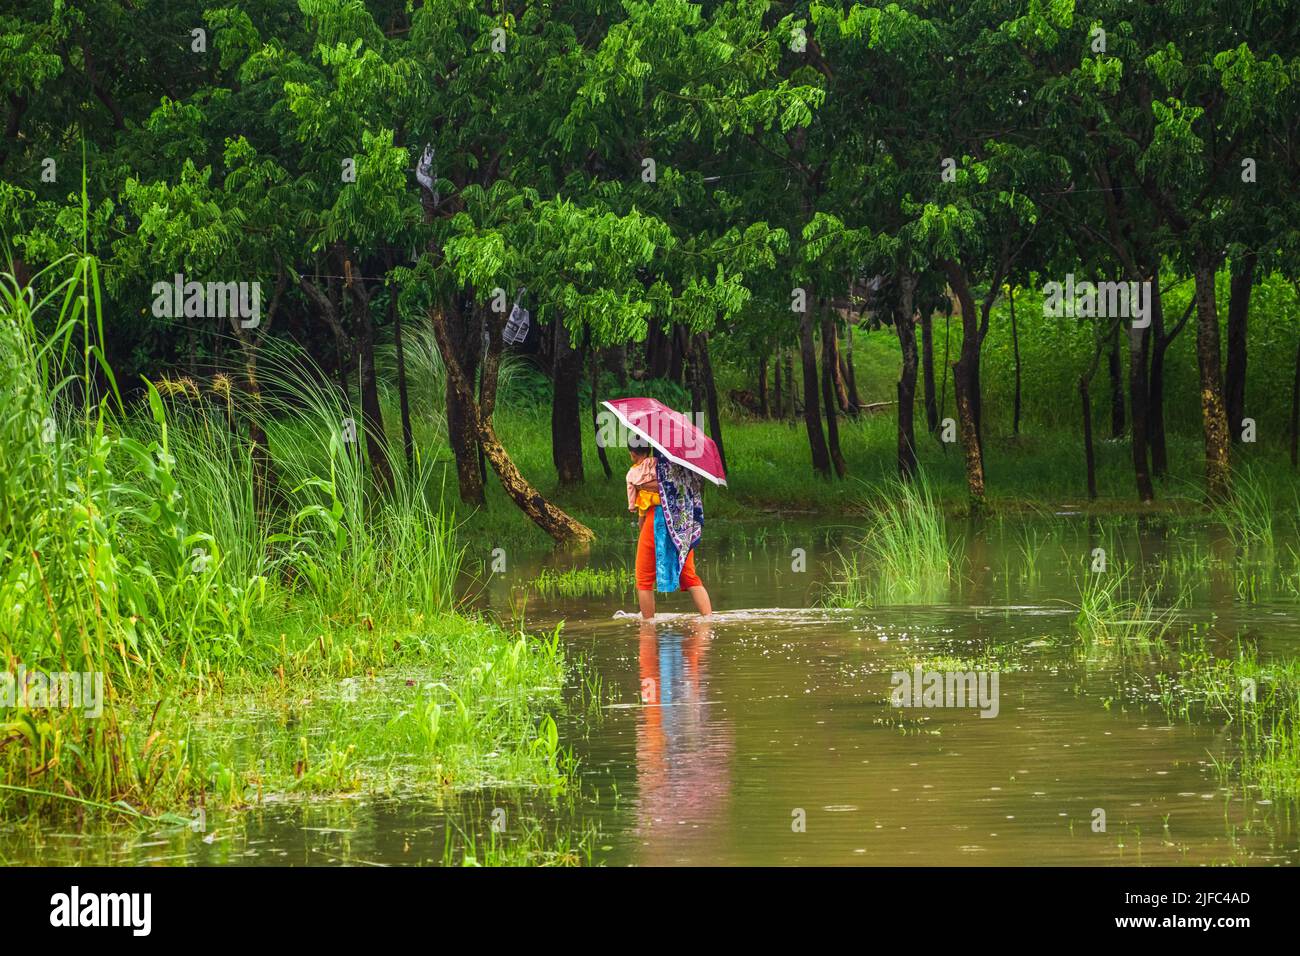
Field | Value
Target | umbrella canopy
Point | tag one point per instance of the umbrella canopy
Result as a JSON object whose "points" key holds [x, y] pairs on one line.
{"points": [[672, 434]]}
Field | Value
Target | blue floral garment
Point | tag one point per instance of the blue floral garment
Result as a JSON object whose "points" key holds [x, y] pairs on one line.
{"points": [[668, 566], [681, 512]]}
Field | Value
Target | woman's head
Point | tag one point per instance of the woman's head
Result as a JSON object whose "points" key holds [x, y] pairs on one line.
{"points": [[637, 447]]}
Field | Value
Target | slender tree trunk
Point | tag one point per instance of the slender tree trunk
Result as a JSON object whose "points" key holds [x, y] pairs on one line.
{"points": [[1138, 398], [789, 384], [763, 409], [566, 420], [778, 395], [927, 371], [1295, 411], [371, 412], [462, 432], [710, 394], [966, 384], [658, 351], [850, 373], [906, 330], [1214, 418], [595, 408], [821, 459], [829, 364], [837, 367], [546, 516], [403, 396], [1114, 369], [1015, 353], [1156, 384], [1234, 386], [1090, 463], [694, 380], [677, 352]]}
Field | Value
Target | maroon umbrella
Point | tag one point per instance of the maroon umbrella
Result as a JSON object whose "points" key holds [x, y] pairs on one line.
{"points": [[672, 434]]}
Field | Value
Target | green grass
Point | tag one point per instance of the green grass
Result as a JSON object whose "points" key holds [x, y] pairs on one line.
{"points": [[583, 582], [903, 556], [131, 545]]}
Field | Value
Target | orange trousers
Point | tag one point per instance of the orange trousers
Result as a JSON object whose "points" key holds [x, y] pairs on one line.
{"points": [[645, 558]]}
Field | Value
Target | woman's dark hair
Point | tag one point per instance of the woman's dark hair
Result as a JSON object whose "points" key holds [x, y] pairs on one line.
{"points": [[636, 443]]}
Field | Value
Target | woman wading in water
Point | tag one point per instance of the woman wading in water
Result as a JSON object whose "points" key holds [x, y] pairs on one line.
{"points": [[666, 500]]}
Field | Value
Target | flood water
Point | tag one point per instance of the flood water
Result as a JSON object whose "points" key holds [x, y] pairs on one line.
{"points": [[766, 735]]}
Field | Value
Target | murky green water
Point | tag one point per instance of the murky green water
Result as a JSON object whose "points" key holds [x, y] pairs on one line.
{"points": [[766, 735]]}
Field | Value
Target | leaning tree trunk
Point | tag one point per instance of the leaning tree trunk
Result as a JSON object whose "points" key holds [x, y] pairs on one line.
{"points": [[566, 420], [1234, 385], [906, 330], [1214, 417], [965, 378], [821, 459], [829, 364], [546, 516]]}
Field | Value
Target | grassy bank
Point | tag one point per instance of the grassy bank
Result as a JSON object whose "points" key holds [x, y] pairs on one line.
{"points": [[239, 631]]}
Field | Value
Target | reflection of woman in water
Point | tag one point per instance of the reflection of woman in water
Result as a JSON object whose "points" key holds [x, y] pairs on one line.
{"points": [[683, 751]]}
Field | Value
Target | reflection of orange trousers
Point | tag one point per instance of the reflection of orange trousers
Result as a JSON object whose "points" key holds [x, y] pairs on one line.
{"points": [[645, 558]]}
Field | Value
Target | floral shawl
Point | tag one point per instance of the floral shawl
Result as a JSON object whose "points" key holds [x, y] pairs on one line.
{"points": [[683, 515]]}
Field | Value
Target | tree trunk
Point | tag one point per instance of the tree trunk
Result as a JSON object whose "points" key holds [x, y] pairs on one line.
{"points": [[1088, 457], [906, 330], [1156, 384], [1295, 410], [462, 432], [658, 351], [927, 371], [546, 516], [965, 380], [850, 373], [371, 412], [1138, 396], [403, 396], [1234, 386], [789, 384], [1114, 369], [677, 352], [778, 396], [1214, 418], [837, 367], [595, 413], [763, 409], [566, 420], [711, 395], [1015, 353], [830, 366], [821, 459]]}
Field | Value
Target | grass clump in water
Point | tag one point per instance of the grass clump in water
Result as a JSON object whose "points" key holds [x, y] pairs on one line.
{"points": [[903, 557], [582, 582]]}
